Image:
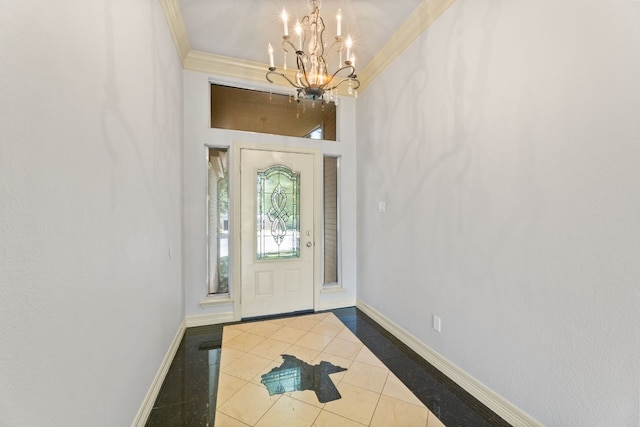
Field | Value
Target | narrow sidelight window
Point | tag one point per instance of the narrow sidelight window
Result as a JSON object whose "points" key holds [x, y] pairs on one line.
{"points": [[218, 221], [331, 222]]}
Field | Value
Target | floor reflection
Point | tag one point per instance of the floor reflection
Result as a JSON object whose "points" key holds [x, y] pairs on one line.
{"points": [[297, 375]]}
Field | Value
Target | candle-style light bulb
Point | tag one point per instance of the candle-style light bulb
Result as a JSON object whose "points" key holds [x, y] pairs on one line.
{"points": [[339, 19], [349, 44], [285, 19], [271, 56], [299, 34], [353, 60]]}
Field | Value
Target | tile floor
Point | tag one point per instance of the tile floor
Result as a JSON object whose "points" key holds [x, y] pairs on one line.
{"points": [[385, 383], [370, 394]]}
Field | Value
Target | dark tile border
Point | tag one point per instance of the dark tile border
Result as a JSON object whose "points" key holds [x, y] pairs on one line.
{"points": [[453, 405]]}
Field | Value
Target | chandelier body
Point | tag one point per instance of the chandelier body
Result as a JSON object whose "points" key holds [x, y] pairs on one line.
{"points": [[313, 78]]}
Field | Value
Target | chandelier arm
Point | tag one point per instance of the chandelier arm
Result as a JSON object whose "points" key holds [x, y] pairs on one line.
{"points": [[335, 42], [286, 40], [346, 79], [283, 76], [351, 75]]}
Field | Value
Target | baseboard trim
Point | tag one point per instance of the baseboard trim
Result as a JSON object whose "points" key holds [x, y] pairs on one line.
{"points": [[484, 394], [209, 319], [152, 394]]}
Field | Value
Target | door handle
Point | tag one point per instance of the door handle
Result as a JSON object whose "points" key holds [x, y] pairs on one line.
{"points": [[309, 244]]}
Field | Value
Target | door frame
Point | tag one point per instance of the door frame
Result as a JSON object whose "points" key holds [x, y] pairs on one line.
{"points": [[236, 269]]}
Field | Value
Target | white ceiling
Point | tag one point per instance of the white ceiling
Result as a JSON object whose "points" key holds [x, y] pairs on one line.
{"points": [[243, 28]]}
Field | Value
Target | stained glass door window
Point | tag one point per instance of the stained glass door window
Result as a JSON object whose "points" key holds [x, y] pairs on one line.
{"points": [[278, 219]]}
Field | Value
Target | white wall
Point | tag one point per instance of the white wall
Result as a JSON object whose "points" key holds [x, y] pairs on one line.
{"points": [[198, 135], [90, 185], [506, 144]]}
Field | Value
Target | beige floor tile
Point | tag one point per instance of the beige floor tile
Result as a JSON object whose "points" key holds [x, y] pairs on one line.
{"points": [[249, 404], [366, 376], [395, 388], [366, 356], [229, 355], [356, 403], [289, 412], [282, 321], [288, 334], [223, 420], [332, 318], [392, 412], [238, 326], [229, 334], [228, 385], [332, 358], [319, 316], [343, 348], [245, 341], [346, 334], [264, 329], [327, 419], [327, 328], [270, 348], [433, 421], [246, 366], [304, 323], [305, 354], [306, 396], [314, 341]]}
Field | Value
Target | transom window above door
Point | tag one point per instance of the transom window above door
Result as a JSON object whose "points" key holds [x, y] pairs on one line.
{"points": [[265, 112]]}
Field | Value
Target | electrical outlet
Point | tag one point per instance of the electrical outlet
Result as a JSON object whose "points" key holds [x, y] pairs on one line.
{"points": [[437, 323]]}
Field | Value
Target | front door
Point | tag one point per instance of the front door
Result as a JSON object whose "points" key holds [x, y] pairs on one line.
{"points": [[277, 219]]}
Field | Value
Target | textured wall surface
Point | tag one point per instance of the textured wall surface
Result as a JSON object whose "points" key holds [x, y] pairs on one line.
{"points": [[90, 194], [505, 143]]}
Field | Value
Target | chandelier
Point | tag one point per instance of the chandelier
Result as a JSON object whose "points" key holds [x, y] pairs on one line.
{"points": [[313, 78]]}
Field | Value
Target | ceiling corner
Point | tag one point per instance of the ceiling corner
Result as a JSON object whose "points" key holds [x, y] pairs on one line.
{"points": [[425, 14]]}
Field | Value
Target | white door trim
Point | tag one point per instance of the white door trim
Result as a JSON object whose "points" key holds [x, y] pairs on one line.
{"points": [[236, 269]]}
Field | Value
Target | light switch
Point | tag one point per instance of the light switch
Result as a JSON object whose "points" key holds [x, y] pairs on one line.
{"points": [[437, 323], [382, 206]]}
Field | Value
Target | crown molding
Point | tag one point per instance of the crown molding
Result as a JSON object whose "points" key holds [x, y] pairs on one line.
{"points": [[225, 66], [424, 15], [176, 26], [236, 69]]}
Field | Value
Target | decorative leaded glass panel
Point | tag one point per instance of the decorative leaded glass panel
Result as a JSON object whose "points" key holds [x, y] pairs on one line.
{"points": [[278, 220]]}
